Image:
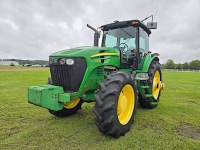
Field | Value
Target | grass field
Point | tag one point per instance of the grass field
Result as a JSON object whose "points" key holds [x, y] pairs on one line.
{"points": [[174, 124]]}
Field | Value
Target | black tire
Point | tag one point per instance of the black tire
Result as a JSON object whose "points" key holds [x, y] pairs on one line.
{"points": [[151, 102], [107, 103], [66, 111]]}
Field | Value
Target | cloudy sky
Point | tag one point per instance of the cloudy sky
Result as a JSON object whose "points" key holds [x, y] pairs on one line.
{"points": [[33, 29]]}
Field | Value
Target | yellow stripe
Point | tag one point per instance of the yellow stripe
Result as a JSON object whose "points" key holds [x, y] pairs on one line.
{"points": [[104, 54]]}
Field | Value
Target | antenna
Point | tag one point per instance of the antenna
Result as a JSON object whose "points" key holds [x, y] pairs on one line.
{"points": [[156, 11], [148, 18]]}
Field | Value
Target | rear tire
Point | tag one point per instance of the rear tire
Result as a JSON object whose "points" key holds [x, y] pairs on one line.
{"points": [[155, 76], [116, 103], [69, 108]]}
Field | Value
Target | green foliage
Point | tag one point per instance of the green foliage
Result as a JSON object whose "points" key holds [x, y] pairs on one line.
{"points": [[25, 126], [195, 65], [186, 65], [179, 66], [170, 64]]}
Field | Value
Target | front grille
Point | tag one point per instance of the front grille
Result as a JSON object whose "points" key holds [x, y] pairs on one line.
{"points": [[68, 76]]}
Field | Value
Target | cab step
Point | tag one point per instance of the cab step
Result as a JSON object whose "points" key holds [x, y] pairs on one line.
{"points": [[145, 87], [154, 103], [148, 95], [142, 76]]}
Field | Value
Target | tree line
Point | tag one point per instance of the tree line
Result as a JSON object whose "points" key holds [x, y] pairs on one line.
{"points": [[170, 64], [33, 62]]}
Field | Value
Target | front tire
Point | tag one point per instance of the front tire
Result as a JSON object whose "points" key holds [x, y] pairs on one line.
{"points": [[116, 103], [69, 108]]}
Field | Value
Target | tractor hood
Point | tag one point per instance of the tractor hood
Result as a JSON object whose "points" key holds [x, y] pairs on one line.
{"points": [[86, 51]]}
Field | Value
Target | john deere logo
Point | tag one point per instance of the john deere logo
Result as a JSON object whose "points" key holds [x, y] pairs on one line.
{"points": [[97, 61]]}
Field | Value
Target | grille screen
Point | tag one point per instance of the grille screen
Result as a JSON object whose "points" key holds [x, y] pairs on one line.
{"points": [[68, 76]]}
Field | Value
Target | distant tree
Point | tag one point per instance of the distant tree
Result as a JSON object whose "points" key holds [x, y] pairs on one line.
{"points": [[195, 64], [179, 66], [33, 62], [186, 65], [175, 66], [170, 64], [163, 66]]}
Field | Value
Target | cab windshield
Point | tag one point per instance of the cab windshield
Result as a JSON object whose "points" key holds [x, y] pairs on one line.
{"points": [[120, 38], [123, 39]]}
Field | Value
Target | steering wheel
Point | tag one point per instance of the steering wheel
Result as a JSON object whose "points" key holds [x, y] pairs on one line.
{"points": [[123, 48]]}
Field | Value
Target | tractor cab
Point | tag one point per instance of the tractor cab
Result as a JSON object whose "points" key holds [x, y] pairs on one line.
{"points": [[131, 38]]}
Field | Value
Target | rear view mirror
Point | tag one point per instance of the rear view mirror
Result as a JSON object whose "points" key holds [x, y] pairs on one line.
{"points": [[152, 25]]}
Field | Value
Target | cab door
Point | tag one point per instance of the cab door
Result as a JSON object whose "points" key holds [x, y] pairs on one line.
{"points": [[143, 47]]}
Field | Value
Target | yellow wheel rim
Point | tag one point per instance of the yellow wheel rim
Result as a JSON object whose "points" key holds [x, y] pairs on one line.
{"points": [[156, 84], [126, 102], [72, 104]]}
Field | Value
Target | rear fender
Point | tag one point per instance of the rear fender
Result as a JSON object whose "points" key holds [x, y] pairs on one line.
{"points": [[147, 62]]}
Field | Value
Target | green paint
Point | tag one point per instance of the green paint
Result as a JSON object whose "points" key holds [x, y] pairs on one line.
{"points": [[98, 62], [146, 63], [48, 96]]}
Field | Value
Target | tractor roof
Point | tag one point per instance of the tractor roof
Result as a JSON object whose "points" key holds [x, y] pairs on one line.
{"points": [[121, 24]]}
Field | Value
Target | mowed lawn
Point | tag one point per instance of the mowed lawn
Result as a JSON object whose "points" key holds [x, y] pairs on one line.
{"points": [[174, 124]]}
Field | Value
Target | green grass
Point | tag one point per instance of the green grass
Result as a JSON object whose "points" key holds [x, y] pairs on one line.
{"points": [[10, 67], [25, 126]]}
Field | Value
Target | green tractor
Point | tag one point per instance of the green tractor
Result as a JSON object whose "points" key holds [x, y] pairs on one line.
{"points": [[116, 73]]}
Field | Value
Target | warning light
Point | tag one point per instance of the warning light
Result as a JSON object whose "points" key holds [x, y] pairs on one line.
{"points": [[134, 22]]}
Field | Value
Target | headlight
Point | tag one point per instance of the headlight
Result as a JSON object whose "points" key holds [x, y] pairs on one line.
{"points": [[50, 60], [70, 61], [61, 61]]}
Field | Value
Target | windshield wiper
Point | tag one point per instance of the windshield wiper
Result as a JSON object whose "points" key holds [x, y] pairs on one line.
{"points": [[127, 34]]}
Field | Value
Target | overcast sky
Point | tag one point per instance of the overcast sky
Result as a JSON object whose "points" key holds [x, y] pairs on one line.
{"points": [[33, 29]]}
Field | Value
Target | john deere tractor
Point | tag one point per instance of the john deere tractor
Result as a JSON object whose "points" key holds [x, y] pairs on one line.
{"points": [[116, 73]]}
